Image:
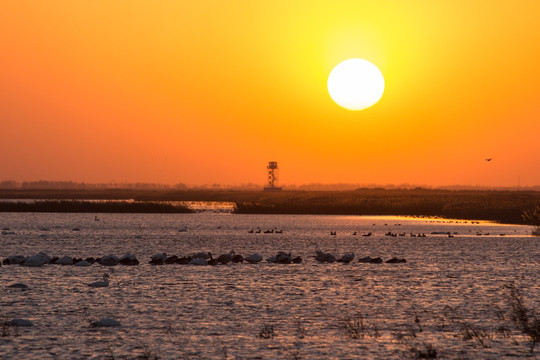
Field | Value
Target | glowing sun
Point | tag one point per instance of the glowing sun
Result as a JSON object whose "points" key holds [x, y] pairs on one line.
{"points": [[355, 84]]}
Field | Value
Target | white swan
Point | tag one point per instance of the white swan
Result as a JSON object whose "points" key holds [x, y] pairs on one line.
{"points": [[103, 283]]}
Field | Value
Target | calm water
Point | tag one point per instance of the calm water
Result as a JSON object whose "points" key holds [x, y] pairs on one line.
{"points": [[191, 312]]}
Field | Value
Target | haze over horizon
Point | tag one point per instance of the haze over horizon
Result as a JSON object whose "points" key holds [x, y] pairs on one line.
{"points": [[8, 185], [204, 93]]}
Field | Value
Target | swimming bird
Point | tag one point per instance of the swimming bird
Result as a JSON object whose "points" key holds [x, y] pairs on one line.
{"points": [[346, 258], [324, 257], [225, 258], [105, 322], [18, 286], [102, 283], [253, 259], [82, 263], [199, 261]]}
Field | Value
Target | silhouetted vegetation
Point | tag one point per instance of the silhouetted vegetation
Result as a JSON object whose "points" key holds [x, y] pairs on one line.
{"points": [[501, 206], [525, 319], [356, 328], [267, 332], [73, 206], [506, 206], [532, 217]]}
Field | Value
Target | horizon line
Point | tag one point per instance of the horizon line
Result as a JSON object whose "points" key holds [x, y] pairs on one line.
{"points": [[73, 185]]}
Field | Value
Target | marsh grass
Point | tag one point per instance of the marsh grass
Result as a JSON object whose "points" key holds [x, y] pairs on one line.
{"points": [[267, 332], [427, 351], [300, 329], [481, 336], [532, 217], [503, 331], [7, 330], [440, 322], [502, 206], [104, 206], [295, 355], [4, 329], [110, 354], [149, 354], [417, 321], [170, 328], [86, 315], [354, 326], [524, 318], [466, 330], [415, 333], [410, 330]]}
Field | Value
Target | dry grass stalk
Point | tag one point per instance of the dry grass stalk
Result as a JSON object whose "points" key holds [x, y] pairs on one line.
{"points": [[428, 352], [525, 319], [532, 217], [354, 326], [481, 336], [267, 332], [300, 328]]}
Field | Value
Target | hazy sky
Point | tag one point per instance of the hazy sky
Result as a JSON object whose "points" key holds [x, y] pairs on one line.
{"points": [[207, 92]]}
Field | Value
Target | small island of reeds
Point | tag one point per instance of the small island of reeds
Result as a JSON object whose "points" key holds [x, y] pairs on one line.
{"points": [[105, 206]]}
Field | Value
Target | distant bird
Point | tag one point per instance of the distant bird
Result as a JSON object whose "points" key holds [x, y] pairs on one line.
{"points": [[103, 283], [489, 159]]}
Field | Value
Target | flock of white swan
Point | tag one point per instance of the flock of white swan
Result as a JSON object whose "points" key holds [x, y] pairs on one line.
{"points": [[200, 258]]}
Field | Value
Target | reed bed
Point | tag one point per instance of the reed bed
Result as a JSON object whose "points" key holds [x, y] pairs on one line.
{"points": [[75, 206], [494, 205]]}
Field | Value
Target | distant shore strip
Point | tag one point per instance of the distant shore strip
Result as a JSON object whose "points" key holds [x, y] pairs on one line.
{"points": [[500, 206], [105, 206]]}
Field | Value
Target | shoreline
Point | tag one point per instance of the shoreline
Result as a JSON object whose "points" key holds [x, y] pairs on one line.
{"points": [[100, 207], [504, 207]]}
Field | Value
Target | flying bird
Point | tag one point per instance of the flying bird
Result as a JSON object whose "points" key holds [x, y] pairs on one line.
{"points": [[489, 159]]}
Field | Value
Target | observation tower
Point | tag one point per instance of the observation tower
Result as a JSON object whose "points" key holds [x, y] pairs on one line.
{"points": [[272, 177]]}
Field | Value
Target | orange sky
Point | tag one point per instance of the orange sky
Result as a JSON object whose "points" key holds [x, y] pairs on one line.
{"points": [[209, 92]]}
